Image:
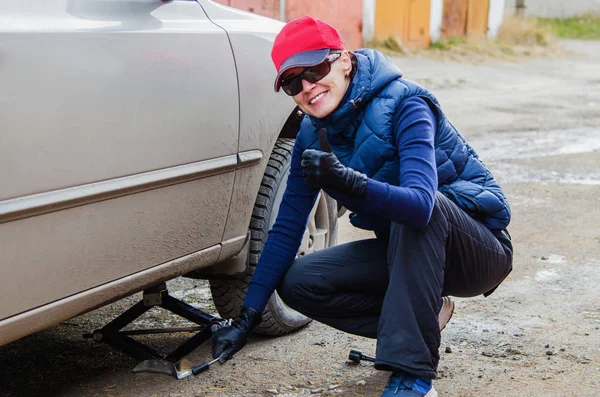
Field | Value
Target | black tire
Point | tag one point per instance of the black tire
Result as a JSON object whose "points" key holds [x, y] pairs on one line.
{"points": [[228, 295]]}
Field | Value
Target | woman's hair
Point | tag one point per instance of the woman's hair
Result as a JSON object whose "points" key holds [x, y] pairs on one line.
{"points": [[354, 64]]}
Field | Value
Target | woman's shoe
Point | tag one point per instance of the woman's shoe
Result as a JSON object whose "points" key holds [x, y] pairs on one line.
{"points": [[402, 384], [446, 312]]}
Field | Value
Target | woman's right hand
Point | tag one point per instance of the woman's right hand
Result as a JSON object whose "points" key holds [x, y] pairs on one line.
{"points": [[323, 170], [229, 336]]}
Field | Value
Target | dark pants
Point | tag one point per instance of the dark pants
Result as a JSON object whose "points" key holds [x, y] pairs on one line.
{"points": [[390, 287]]}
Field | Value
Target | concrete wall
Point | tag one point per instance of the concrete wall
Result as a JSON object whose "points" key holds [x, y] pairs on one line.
{"points": [[368, 21], [495, 17], [556, 8], [435, 22]]}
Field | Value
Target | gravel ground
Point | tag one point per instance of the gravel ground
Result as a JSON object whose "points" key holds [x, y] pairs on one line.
{"points": [[536, 123]]}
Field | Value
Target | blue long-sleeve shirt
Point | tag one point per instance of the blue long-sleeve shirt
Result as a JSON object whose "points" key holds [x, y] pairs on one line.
{"points": [[410, 203]]}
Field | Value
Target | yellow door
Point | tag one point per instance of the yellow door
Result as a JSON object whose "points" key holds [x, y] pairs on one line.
{"points": [[391, 19], [477, 18], [405, 20], [418, 26]]}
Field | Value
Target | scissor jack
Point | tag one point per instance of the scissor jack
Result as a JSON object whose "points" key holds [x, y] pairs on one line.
{"points": [[151, 361]]}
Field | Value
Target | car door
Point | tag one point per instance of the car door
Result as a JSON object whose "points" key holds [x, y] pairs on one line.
{"points": [[118, 141]]}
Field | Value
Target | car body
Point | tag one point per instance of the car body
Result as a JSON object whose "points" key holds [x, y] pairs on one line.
{"points": [[134, 138]]}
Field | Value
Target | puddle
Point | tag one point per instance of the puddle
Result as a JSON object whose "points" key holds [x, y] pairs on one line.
{"points": [[546, 275], [525, 201], [517, 173], [549, 275], [495, 149], [553, 259], [531, 144]]}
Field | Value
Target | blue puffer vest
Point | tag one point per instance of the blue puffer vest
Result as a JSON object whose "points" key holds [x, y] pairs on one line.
{"points": [[360, 132]]}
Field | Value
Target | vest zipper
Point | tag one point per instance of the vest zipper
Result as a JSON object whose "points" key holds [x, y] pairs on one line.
{"points": [[357, 100]]}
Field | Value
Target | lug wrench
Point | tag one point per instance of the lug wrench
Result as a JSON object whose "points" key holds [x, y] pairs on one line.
{"points": [[203, 367], [179, 370], [357, 355]]}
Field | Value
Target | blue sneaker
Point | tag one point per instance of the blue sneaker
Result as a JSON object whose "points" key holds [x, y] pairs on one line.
{"points": [[402, 384]]}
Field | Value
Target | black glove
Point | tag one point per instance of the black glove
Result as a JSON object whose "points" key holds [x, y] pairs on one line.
{"points": [[228, 336], [323, 170]]}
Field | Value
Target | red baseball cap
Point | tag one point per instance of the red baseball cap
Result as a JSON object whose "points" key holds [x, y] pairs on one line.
{"points": [[305, 42]]}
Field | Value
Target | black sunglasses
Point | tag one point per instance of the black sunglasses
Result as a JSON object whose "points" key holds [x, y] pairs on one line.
{"points": [[293, 86]]}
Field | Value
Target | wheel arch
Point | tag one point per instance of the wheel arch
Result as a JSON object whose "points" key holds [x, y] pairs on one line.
{"points": [[292, 124]]}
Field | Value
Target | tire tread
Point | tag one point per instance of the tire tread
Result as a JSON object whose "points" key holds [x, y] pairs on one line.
{"points": [[228, 295]]}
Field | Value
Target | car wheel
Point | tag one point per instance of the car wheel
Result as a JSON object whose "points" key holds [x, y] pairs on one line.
{"points": [[321, 232]]}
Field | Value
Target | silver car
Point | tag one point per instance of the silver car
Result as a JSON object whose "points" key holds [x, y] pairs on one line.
{"points": [[140, 140]]}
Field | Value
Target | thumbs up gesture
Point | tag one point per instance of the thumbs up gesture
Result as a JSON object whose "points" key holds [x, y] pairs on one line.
{"points": [[323, 170]]}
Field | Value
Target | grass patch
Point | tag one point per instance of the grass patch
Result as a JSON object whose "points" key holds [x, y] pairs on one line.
{"points": [[448, 44], [389, 46], [583, 28], [524, 32]]}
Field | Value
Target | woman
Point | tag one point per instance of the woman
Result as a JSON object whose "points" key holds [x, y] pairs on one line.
{"points": [[405, 172]]}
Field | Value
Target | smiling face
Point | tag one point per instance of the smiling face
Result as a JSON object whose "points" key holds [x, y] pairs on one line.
{"points": [[320, 99]]}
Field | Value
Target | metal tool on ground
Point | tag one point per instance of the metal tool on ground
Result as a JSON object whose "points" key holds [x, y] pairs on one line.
{"points": [[357, 355], [179, 370]]}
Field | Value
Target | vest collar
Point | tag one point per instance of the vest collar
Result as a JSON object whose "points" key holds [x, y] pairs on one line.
{"points": [[355, 98]]}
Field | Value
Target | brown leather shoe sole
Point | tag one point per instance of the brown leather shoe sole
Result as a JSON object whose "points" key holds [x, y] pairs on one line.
{"points": [[446, 312]]}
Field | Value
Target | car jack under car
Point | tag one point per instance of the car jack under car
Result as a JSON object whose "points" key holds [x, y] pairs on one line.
{"points": [[172, 363]]}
